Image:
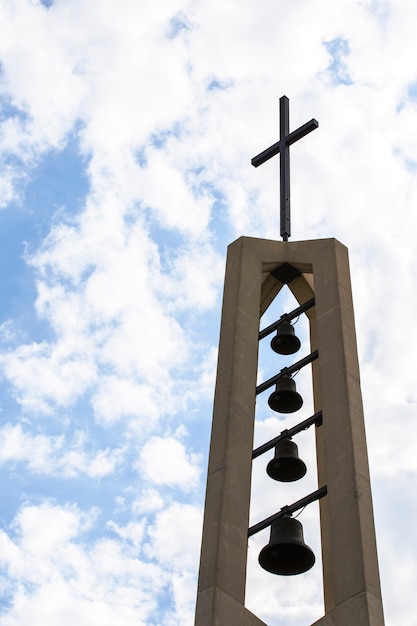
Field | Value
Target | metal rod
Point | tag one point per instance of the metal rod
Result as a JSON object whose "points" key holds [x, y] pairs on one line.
{"points": [[287, 434], [287, 371], [288, 510], [287, 317]]}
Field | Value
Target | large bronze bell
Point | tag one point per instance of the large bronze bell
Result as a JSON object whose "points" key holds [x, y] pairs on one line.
{"points": [[286, 552], [286, 465], [285, 398], [285, 341]]}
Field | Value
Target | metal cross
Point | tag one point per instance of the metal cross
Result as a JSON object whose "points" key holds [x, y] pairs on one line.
{"points": [[283, 147]]}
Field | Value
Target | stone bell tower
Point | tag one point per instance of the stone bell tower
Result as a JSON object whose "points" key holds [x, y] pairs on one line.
{"points": [[317, 273]]}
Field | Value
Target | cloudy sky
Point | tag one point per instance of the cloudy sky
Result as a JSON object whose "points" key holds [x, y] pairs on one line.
{"points": [[127, 130]]}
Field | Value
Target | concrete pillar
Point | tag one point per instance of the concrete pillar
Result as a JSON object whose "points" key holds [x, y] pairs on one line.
{"points": [[350, 567], [221, 587]]}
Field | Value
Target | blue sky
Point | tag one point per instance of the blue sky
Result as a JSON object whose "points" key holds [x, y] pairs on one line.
{"points": [[126, 134]]}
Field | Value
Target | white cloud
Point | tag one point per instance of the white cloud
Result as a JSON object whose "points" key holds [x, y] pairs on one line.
{"points": [[53, 455], [42, 374], [165, 461], [109, 312], [183, 209], [54, 578], [182, 552], [175, 544], [116, 398], [184, 284], [150, 500], [133, 532]]}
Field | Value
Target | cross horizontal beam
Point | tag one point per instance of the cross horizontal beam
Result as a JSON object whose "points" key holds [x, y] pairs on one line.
{"points": [[290, 139]]}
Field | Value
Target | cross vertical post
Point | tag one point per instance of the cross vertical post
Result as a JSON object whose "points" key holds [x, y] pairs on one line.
{"points": [[283, 147], [284, 168]]}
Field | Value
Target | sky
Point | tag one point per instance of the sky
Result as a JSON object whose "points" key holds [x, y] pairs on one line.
{"points": [[126, 133]]}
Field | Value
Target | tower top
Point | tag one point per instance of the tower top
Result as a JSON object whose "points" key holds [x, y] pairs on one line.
{"points": [[283, 147]]}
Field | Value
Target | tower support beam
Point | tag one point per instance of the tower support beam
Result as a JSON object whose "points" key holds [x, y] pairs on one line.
{"points": [[352, 594]]}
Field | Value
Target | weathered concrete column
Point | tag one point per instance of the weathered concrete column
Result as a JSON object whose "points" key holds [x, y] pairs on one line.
{"points": [[350, 567], [351, 582], [221, 588]]}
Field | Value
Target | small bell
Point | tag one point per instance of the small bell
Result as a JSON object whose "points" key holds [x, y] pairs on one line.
{"points": [[286, 552], [285, 398], [286, 465], [285, 341]]}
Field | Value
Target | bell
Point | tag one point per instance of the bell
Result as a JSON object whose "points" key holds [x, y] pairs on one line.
{"points": [[286, 466], [285, 398], [285, 341], [286, 552]]}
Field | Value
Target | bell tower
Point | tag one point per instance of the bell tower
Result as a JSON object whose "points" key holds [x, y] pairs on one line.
{"points": [[317, 273]]}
